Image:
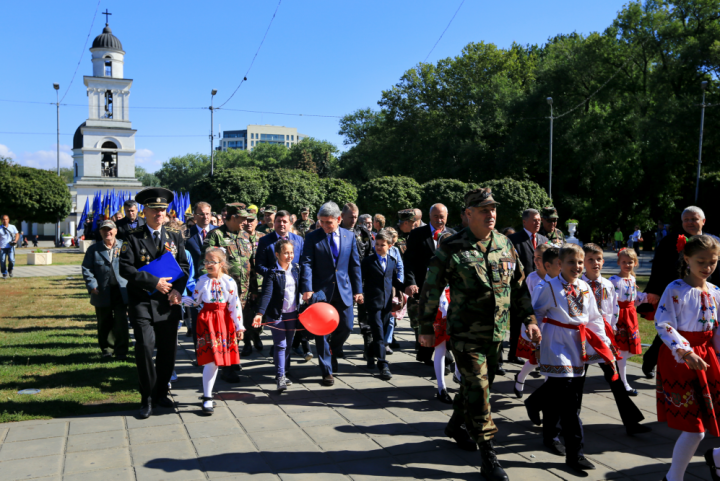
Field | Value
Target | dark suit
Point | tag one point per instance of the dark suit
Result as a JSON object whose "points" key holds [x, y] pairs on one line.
{"points": [[265, 260], [153, 319], [377, 294], [339, 283], [194, 245], [123, 226], [526, 252], [420, 249]]}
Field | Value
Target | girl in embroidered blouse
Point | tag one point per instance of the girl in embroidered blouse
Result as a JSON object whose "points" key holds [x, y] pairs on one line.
{"points": [[627, 332], [688, 375], [219, 323]]}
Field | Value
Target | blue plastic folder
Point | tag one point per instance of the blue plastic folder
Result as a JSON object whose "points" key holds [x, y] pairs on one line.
{"points": [[164, 266]]}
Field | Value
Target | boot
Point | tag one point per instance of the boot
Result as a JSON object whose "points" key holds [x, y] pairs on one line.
{"points": [[455, 429], [490, 468]]}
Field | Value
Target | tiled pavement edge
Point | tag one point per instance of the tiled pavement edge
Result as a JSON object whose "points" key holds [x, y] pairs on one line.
{"points": [[361, 429]]}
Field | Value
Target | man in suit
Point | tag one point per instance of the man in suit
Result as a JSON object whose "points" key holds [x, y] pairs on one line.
{"points": [[131, 220], [421, 245], [525, 242], [108, 292], [330, 263], [380, 275], [154, 302], [266, 245]]}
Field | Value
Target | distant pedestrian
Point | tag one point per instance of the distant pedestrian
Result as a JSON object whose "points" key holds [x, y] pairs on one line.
{"points": [[619, 238], [635, 239], [8, 240]]}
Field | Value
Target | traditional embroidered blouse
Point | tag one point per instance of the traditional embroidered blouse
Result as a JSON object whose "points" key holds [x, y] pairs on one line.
{"points": [[686, 308], [605, 297], [626, 290], [222, 290]]}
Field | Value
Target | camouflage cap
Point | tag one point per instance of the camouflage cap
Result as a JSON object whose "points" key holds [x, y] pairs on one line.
{"points": [[270, 209], [480, 197], [108, 224], [549, 213], [250, 216], [304, 209], [236, 209], [406, 214]]}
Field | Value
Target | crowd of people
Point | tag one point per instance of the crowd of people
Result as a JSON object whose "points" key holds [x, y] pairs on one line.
{"points": [[462, 289]]}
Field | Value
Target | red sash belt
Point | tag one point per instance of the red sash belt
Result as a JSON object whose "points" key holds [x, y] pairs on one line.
{"points": [[611, 335], [592, 338]]}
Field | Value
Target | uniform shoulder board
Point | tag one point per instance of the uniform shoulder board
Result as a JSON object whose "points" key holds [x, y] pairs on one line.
{"points": [[171, 229], [137, 229]]}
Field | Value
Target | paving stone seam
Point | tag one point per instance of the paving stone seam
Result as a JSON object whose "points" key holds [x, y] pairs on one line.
{"points": [[64, 450], [197, 454]]}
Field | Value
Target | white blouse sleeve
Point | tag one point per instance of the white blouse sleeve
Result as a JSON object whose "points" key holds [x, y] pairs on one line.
{"points": [[666, 321], [233, 303], [542, 300], [195, 299], [616, 293], [641, 296]]}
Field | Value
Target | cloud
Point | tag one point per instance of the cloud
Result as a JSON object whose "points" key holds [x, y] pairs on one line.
{"points": [[5, 152], [45, 159], [145, 158]]}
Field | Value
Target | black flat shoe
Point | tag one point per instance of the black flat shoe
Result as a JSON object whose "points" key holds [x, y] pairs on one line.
{"points": [[207, 410], [145, 411], [555, 447], [500, 371], [443, 397], [518, 394], [710, 461], [580, 463], [637, 429], [648, 374], [632, 392]]}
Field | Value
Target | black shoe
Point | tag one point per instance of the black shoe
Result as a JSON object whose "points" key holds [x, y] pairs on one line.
{"points": [[555, 447], [461, 436], [229, 375], [500, 371], [632, 392], [163, 402], [515, 360], [533, 414], [371, 363], [209, 411], [385, 373], [247, 350], [580, 464], [637, 429], [518, 394], [257, 342], [145, 411], [710, 461], [490, 467], [649, 374], [443, 397]]}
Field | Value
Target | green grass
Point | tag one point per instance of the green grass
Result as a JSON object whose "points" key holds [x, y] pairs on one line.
{"points": [[57, 259], [48, 342]]}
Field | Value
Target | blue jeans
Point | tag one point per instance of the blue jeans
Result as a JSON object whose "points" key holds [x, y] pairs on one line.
{"points": [[282, 333], [9, 254], [390, 330]]}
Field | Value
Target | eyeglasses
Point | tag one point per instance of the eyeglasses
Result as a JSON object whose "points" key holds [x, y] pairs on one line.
{"points": [[211, 263]]}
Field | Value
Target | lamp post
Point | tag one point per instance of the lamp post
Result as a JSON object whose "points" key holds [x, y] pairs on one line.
{"points": [[550, 102], [703, 86], [57, 105], [212, 137]]}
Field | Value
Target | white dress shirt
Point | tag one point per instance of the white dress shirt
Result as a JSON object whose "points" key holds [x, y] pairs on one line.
{"points": [[289, 303]]}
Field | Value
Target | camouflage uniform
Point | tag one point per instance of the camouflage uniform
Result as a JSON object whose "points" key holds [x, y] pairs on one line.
{"points": [[251, 309], [265, 228], [486, 286], [302, 226], [556, 236]]}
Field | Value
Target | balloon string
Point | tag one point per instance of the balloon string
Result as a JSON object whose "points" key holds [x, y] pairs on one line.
{"points": [[268, 324]]}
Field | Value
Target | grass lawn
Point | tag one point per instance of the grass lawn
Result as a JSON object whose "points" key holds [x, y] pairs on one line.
{"points": [[57, 259], [49, 343]]}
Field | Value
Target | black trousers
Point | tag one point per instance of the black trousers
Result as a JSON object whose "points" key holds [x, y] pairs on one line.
{"points": [[563, 405], [515, 328], [112, 327], [154, 376], [650, 358], [629, 412], [379, 323]]}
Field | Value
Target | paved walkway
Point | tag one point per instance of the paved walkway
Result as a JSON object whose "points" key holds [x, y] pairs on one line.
{"points": [[360, 429]]}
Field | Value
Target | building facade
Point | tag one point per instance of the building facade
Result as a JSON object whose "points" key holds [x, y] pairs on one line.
{"points": [[254, 135]]}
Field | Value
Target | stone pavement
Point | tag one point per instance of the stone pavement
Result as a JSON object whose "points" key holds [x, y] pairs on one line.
{"points": [[46, 271], [360, 429]]}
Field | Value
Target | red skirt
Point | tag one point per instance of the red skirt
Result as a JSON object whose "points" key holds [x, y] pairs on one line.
{"points": [[628, 336], [216, 337], [440, 326], [687, 399], [526, 350]]}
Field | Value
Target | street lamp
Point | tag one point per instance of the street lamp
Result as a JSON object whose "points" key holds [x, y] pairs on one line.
{"points": [[212, 138], [703, 86], [57, 105], [550, 102]]}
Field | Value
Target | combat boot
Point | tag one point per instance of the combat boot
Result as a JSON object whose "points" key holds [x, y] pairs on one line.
{"points": [[490, 468], [456, 430]]}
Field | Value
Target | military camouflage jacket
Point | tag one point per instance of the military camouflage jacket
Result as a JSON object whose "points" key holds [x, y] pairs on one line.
{"points": [[401, 243], [240, 257], [302, 226], [264, 229], [254, 239], [486, 288], [557, 236]]}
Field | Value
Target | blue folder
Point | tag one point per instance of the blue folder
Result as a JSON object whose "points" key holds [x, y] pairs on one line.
{"points": [[164, 266]]}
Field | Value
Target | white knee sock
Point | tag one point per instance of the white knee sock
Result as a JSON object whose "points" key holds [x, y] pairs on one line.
{"points": [[622, 369], [683, 452], [440, 365], [209, 374], [526, 369]]}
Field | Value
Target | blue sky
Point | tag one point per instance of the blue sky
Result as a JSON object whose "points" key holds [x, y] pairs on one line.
{"points": [[319, 57]]}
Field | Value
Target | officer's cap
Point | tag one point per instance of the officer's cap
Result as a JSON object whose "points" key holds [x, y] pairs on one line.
{"points": [[155, 197]]}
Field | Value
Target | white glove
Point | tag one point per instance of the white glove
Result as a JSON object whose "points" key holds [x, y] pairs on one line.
{"points": [[188, 301]]}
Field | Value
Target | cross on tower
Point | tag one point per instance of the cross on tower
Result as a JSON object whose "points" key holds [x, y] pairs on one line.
{"points": [[106, 13]]}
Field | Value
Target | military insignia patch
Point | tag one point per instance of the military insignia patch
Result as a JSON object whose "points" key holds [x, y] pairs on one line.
{"points": [[124, 248]]}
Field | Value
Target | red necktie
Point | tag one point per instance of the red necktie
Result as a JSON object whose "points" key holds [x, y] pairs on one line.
{"points": [[202, 234], [534, 241]]}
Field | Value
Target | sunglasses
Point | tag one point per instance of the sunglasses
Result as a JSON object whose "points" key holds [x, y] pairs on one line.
{"points": [[211, 263]]}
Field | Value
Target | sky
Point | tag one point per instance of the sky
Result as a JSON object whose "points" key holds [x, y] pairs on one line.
{"points": [[319, 57]]}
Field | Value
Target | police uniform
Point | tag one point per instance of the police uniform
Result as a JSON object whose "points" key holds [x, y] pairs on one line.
{"points": [[556, 236], [264, 228], [153, 319], [302, 226], [486, 286]]}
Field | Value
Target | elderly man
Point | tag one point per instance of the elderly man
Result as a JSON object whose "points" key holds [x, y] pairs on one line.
{"points": [[9, 236], [421, 246], [130, 221], [108, 292], [665, 269], [365, 220], [154, 302], [330, 264], [268, 220], [486, 286], [549, 226]]}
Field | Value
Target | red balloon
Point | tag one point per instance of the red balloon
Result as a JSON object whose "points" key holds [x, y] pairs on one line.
{"points": [[320, 319]]}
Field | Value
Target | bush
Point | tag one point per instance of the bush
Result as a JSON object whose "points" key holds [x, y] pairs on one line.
{"points": [[339, 191], [449, 192], [248, 185], [388, 195], [33, 195], [292, 189], [514, 197]]}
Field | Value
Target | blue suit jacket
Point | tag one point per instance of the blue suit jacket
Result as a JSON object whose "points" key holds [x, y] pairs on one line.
{"points": [[273, 292], [96, 269], [194, 246], [378, 284], [318, 271], [265, 260]]}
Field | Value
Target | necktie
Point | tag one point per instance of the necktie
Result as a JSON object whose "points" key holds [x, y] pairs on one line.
{"points": [[383, 261], [534, 241], [202, 234], [333, 247], [156, 237]]}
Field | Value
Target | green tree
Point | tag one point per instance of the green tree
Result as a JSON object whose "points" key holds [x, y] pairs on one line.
{"points": [[291, 189], [339, 191], [249, 185], [388, 195], [33, 195], [66, 173], [148, 179], [514, 197], [179, 173], [449, 192], [320, 152]]}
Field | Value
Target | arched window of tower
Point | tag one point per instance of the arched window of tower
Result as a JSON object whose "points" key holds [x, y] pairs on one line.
{"points": [[108, 66], [109, 160]]}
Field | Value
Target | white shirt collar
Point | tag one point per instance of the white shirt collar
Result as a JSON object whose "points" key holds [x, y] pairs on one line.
{"points": [[530, 234], [587, 279], [152, 231]]}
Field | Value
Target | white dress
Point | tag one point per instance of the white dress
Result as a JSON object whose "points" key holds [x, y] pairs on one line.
{"points": [[222, 290], [561, 350], [685, 308]]}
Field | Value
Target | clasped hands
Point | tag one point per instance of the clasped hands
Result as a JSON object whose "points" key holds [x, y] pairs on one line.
{"points": [[166, 288]]}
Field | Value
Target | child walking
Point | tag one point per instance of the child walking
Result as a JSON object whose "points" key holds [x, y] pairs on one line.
{"points": [[279, 303], [219, 323], [627, 332], [688, 374]]}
